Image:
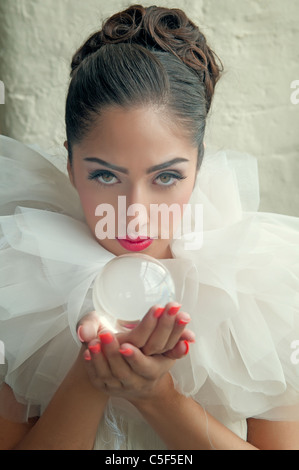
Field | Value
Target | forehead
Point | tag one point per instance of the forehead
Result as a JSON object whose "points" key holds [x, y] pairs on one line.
{"points": [[139, 134]]}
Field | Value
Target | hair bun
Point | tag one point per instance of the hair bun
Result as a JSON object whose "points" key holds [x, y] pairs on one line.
{"points": [[119, 28], [159, 28], [172, 31]]}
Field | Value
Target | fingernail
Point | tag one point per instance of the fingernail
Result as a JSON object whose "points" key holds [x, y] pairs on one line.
{"points": [[88, 331], [183, 322], [79, 334], [174, 309], [106, 338], [130, 326], [87, 355], [126, 352], [158, 312], [187, 347], [183, 319], [95, 348]]}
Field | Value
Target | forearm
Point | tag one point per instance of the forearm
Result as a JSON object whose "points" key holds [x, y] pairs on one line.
{"points": [[71, 418], [184, 425]]}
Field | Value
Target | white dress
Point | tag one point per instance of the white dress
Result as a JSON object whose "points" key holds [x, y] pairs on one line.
{"points": [[241, 288]]}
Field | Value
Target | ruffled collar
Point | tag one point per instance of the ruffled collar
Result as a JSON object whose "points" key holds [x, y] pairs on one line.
{"points": [[240, 287]]}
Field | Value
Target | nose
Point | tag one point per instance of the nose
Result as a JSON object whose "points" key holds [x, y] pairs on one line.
{"points": [[137, 194], [137, 212]]}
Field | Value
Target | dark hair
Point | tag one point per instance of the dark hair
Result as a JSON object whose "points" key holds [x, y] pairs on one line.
{"points": [[143, 56]]}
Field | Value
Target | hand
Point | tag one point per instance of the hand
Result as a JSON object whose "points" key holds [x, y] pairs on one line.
{"points": [[122, 370], [160, 331]]}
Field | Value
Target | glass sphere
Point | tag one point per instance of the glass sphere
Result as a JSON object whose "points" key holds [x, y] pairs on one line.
{"points": [[129, 285]]}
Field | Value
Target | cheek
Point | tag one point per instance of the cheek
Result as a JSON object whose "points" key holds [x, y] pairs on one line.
{"points": [[88, 202], [185, 194], [183, 200], [171, 220], [89, 198]]}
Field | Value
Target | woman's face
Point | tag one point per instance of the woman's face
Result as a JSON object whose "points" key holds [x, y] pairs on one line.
{"points": [[133, 156]]}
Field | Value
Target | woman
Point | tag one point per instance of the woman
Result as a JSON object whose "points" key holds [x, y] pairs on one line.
{"points": [[140, 92]]}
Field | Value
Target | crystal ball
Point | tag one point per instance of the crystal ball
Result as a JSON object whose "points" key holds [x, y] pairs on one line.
{"points": [[129, 285]]}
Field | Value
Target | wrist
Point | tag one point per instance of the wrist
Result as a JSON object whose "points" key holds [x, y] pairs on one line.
{"points": [[161, 393]]}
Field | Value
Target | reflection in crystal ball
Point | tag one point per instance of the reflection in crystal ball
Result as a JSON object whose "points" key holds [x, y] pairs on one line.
{"points": [[129, 285]]}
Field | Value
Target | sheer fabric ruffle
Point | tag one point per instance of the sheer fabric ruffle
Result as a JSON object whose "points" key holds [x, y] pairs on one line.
{"points": [[237, 276]]}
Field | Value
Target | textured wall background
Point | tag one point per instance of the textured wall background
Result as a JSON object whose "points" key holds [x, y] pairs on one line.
{"points": [[257, 40]]}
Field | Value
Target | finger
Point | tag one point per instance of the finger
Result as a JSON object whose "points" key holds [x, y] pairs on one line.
{"points": [[158, 341], [118, 367], [181, 321], [142, 332], [88, 327], [180, 350], [91, 354], [188, 335], [99, 366], [149, 367]]}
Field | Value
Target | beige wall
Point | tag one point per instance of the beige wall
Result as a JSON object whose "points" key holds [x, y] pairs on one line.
{"points": [[257, 40]]}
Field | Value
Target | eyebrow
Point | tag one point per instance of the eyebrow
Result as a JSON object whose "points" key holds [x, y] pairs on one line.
{"points": [[161, 166]]}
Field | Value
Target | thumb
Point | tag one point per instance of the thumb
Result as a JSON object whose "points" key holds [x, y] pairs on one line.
{"points": [[88, 326]]}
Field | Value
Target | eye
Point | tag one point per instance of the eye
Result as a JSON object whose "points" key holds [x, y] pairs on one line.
{"points": [[168, 179], [103, 177]]}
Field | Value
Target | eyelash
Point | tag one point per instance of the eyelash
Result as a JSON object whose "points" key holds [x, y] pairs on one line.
{"points": [[93, 175]]}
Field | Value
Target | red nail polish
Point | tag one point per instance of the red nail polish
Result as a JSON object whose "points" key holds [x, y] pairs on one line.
{"points": [[173, 310], [106, 338], [87, 355], [95, 348], [183, 322], [187, 347], [158, 312], [126, 352]]}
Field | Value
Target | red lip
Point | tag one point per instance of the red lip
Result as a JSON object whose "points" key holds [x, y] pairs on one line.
{"points": [[138, 239], [138, 244]]}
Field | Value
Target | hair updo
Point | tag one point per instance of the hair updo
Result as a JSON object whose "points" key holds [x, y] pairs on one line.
{"points": [[143, 56]]}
